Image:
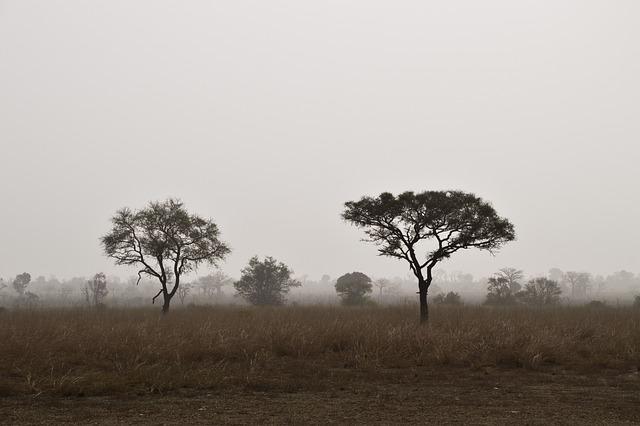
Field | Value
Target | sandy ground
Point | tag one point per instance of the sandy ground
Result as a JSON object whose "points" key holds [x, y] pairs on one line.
{"points": [[403, 396]]}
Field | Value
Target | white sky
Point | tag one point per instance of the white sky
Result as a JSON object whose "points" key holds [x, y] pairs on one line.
{"points": [[268, 115]]}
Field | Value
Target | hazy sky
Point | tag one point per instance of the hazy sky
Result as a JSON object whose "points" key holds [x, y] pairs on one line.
{"points": [[268, 115]]}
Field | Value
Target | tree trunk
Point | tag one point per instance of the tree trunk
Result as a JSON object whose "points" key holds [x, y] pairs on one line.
{"points": [[165, 305], [424, 307]]}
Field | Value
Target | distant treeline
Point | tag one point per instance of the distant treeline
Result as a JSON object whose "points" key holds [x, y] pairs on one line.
{"points": [[218, 288]]}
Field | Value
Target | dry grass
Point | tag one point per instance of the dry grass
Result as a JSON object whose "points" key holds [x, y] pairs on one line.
{"points": [[116, 351]]}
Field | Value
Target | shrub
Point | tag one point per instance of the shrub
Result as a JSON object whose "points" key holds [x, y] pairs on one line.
{"points": [[451, 298]]}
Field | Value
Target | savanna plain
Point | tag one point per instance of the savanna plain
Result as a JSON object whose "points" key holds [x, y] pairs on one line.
{"points": [[321, 364]]}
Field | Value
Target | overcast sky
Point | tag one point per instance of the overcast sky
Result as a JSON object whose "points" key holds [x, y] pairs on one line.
{"points": [[268, 115]]}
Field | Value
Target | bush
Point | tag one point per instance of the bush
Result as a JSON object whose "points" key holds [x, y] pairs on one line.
{"points": [[451, 298], [353, 288], [540, 291]]}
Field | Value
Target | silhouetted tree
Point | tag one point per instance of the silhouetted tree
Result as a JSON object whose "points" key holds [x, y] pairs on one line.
{"points": [[579, 283], [325, 280], [450, 298], [499, 291], [183, 291], [451, 220], [513, 277], [21, 282], [383, 285], [266, 282], [353, 288], [166, 241], [212, 284], [95, 290], [556, 274], [540, 291]]}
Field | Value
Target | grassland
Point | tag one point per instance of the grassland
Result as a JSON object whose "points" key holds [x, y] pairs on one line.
{"points": [[311, 357]]}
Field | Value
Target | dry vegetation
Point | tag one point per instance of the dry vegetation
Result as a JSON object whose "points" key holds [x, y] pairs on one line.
{"points": [[288, 349]]}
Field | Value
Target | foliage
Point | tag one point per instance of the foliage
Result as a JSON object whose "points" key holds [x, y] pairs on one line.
{"points": [[540, 291], [21, 282], [95, 290], [449, 220], [265, 282], [386, 287], [499, 292], [165, 241], [503, 287], [451, 298], [579, 283], [211, 285], [512, 277], [353, 288]]}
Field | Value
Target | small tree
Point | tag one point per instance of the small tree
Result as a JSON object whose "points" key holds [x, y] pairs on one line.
{"points": [[512, 277], [499, 291], [166, 241], [450, 220], [266, 282], [451, 298], [353, 288], [579, 283], [540, 291], [384, 286], [183, 291], [20, 284], [211, 285], [95, 290]]}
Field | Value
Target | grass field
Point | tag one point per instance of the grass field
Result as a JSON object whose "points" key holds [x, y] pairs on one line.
{"points": [[309, 358]]}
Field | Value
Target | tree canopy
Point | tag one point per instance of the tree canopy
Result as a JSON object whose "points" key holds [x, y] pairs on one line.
{"points": [[353, 288]]}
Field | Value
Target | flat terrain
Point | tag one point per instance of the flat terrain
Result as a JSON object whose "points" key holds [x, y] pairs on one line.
{"points": [[405, 396], [321, 365]]}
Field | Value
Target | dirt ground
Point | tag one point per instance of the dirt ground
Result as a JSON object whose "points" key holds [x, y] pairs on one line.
{"points": [[402, 396]]}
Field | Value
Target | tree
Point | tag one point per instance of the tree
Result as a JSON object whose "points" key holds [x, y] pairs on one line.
{"points": [[383, 285], [165, 241], [449, 220], [513, 277], [556, 274], [95, 290], [266, 282], [579, 282], [21, 282], [353, 288], [540, 291], [499, 291], [451, 298], [211, 285], [183, 291], [325, 280]]}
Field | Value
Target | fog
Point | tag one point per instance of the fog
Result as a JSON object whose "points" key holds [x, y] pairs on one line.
{"points": [[268, 116]]}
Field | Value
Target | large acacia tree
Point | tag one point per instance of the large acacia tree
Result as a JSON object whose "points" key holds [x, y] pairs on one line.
{"points": [[165, 241], [428, 227]]}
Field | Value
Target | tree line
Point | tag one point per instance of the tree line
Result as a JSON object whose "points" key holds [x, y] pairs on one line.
{"points": [[166, 241]]}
